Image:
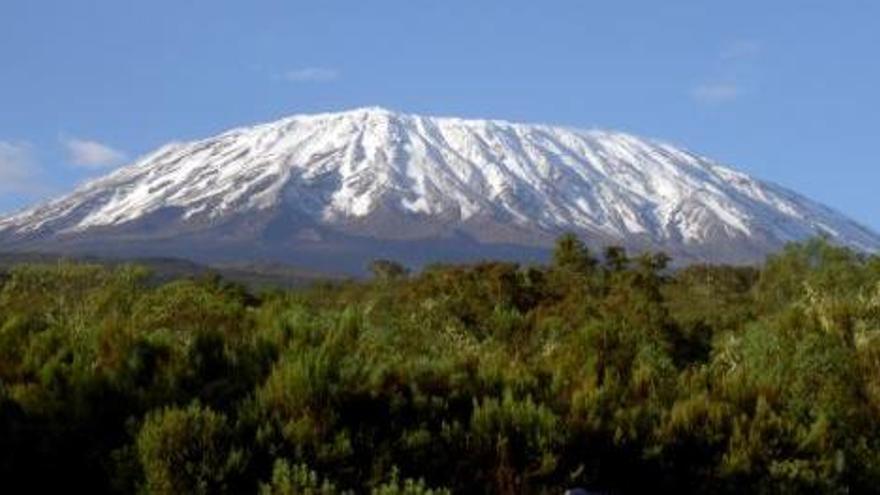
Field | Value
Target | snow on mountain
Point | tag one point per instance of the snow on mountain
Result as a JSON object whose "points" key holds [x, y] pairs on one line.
{"points": [[376, 174]]}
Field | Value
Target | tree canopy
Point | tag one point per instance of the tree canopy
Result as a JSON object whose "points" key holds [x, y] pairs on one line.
{"points": [[619, 377]]}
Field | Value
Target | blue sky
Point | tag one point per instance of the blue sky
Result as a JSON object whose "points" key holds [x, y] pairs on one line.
{"points": [[786, 90]]}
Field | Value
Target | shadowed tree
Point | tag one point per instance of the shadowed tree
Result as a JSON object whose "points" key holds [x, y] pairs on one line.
{"points": [[388, 270], [616, 259], [571, 254]]}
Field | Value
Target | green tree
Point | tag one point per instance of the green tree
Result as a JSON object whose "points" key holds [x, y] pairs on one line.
{"points": [[397, 486], [298, 479], [571, 254], [189, 450], [388, 270], [616, 259]]}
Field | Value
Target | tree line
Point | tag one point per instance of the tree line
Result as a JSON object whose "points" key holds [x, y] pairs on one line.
{"points": [[613, 373]]}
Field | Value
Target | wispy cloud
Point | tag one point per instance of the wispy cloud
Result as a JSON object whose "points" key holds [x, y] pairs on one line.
{"points": [[311, 74], [92, 154], [716, 93], [20, 172], [731, 75]]}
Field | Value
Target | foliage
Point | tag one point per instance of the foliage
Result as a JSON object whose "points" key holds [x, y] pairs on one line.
{"points": [[570, 253], [296, 480], [188, 451], [622, 377], [388, 270]]}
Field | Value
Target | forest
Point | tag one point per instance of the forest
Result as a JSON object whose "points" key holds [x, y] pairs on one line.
{"points": [[607, 371]]}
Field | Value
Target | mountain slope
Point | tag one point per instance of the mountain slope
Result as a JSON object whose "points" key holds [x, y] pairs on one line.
{"points": [[341, 188]]}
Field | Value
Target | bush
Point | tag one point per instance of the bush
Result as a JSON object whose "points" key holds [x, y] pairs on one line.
{"points": [[189, 450], [296, 480]]}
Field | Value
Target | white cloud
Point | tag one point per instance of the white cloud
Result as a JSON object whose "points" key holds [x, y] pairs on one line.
{"points": [[734, 71], [311, 74], [19, 171], [92, 154], [716, 93]]}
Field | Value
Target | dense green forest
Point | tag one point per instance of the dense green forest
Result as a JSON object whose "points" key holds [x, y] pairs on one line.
{"points": [[603, 371]]}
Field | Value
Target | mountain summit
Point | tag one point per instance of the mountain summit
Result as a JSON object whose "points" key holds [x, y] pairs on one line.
{"points": [[334, 190]]}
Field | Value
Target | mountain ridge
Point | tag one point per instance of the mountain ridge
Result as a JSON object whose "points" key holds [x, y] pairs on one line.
{"points": [[379, 179]]}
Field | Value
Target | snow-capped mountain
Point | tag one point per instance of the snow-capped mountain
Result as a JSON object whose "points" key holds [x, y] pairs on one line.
{"points": [[338, 189]]}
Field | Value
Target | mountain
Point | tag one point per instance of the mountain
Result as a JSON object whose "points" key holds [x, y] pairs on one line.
{"points": [[332, 191]]}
